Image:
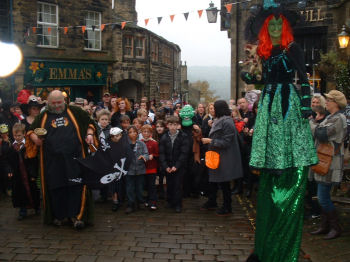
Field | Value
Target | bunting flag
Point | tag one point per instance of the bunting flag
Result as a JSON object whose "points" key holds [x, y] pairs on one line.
{"points": [[228, 7], [123, 24], [186, 15]]}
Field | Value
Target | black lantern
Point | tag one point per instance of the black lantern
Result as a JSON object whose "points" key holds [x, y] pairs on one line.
{"points": [[343, 38], [212, 13]]}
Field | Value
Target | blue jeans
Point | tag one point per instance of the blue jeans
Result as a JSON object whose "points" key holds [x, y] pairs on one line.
{"points": [[134, 189], [324, 196]]}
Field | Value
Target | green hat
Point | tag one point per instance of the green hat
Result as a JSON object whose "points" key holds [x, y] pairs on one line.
{"points": [[4, 129], [186, 114]]}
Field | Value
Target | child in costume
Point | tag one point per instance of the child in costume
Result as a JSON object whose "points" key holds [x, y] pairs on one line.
{"points": [[5, 169], [282, 147], [151, 166], [25, 192]]}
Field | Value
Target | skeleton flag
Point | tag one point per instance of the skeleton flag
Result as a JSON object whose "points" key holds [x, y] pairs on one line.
{"points": [[109, 163]]}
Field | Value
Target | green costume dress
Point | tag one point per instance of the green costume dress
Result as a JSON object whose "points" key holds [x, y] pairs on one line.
{"points": [[282, 149]]}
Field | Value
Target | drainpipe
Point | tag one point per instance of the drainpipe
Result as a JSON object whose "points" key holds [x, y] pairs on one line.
{"points": [[149, 64]]}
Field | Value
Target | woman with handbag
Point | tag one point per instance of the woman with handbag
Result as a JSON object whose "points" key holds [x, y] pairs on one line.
{"points": [[224, 157], [329, 137]]}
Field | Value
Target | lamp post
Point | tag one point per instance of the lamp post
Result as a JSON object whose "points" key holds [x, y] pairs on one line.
{"points": [[212, 13], [11, 58], [343, 38]]}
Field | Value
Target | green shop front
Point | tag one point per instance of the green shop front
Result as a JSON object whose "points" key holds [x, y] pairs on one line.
{"points": [[85, 79]]}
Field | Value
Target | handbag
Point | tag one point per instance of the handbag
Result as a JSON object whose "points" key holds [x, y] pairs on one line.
{"points": [[325, 153], [212, 159]]}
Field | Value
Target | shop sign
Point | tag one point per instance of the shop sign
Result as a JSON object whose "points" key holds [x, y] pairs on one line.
{"points": [[313, 15], [54, 73]]}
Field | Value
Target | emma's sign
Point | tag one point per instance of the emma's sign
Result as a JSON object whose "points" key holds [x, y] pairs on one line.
{"points": [[53, 73]]}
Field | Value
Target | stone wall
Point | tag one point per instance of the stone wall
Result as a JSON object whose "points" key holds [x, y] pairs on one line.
{"points": [[317, 14], [149, 75]]}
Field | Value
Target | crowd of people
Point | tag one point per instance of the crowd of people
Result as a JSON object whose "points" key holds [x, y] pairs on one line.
{"points": [[167, 144]]}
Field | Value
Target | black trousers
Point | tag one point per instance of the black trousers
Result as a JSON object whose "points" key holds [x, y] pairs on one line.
{"points": [[66, 201], [174, 188], [226, 192], [150, 181]]}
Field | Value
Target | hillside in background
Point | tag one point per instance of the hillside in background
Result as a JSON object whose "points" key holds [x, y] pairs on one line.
{"points": [[218, 78]]}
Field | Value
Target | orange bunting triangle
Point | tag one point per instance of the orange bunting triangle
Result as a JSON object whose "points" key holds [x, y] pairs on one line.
{"points": [[228, 7], [103, 27], [146, 21], [123, 25], [49, 30], [34, 30], [83, 28], [65, 30], [172, 18], [200, 12]]}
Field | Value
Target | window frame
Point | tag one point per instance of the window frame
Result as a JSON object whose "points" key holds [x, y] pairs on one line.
{"points": [[143, 40], [131, 37], [51, 25], [155, 51], [97, 29]]}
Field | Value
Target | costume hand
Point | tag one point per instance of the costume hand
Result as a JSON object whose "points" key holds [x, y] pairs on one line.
{"points": [[206, 140], [36, 140], [306, 113], [9, 175], [142, 157], [168, 170], [173, 169], [89, 140]]}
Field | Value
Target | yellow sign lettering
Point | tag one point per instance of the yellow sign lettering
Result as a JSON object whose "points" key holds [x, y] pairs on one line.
{"points": [[88, 74], [72, 73], [53, 73]]}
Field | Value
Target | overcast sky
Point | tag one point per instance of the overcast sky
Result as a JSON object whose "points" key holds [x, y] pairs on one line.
{"points": [[201, 43]]}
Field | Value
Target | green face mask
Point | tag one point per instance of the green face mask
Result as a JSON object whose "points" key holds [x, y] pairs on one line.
{"points": [[275, 28], [186, 114]]}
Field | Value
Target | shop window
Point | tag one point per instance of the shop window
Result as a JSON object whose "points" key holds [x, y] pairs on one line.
{"points": [[47, 25], [155, 51], [128, 46], [140, 47], [92, 35]]}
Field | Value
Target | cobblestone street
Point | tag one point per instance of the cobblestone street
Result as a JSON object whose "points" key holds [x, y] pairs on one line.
{"points": [[142, 236]]}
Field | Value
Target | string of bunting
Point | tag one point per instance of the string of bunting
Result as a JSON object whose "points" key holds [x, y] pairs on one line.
{"points": [[123, 24]]}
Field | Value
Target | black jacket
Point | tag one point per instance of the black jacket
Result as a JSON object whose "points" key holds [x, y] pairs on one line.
{"points": [[173, 155], [115, 120]]}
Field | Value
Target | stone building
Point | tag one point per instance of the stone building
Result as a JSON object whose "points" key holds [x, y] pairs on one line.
{"points": [[81, 48], [323, 20]]}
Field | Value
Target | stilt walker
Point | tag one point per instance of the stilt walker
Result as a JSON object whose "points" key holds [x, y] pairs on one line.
{"points": [[283, 148]]}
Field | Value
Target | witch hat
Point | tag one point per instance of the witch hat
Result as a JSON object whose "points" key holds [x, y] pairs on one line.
{"points": [[260, 13]]}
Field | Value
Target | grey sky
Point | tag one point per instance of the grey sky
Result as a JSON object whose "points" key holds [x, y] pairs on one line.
{"points": [[201, 43]]}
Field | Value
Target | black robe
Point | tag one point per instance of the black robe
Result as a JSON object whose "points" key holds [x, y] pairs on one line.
{"points": [[25, 192]]}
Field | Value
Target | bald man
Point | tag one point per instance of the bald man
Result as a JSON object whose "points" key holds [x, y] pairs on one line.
{"points": [[69, 132]]}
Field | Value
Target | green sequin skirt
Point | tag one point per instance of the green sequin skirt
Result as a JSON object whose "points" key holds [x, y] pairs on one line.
{"points": [[281, 142], [280, 213]]}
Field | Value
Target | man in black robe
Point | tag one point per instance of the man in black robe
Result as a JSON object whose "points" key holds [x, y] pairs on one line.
{"points": [[69, 132]]}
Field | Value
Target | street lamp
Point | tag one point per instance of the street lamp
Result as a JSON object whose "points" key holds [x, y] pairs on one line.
{"points": [[212, 13], [11, 58], [343, 38]]}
